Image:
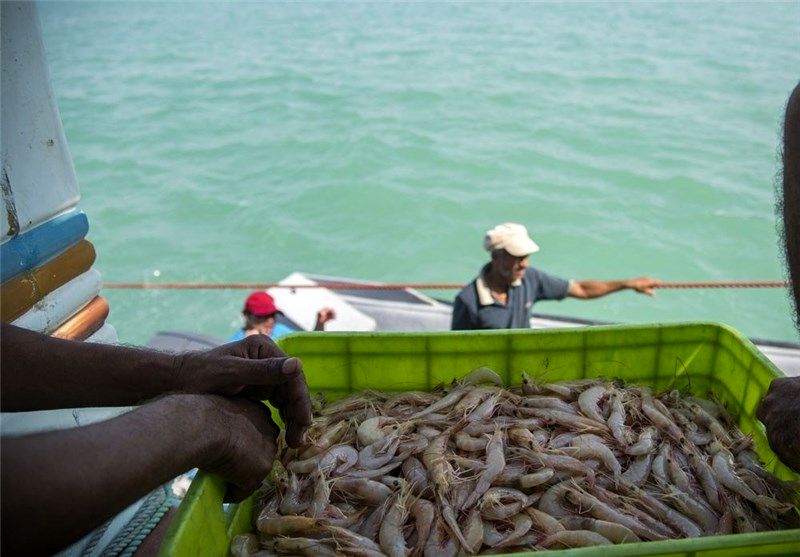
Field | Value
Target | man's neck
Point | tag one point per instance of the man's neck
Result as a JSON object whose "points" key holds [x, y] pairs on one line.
{"points": [[495, 282]]}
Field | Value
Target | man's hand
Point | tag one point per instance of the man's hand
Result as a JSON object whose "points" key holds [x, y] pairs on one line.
{"points": [[245, 442], [254, 368], [323, 316], [643, 285], [780, 412]]}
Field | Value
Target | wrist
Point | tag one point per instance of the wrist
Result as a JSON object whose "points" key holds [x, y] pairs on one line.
{"points": [[193, 416], [213, 430]]}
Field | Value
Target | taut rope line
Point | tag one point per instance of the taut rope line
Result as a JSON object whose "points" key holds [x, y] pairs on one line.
{"points": [[388, 286]]}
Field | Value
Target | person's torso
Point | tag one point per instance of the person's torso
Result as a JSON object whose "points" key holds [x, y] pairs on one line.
{"points": [[515, 313]]}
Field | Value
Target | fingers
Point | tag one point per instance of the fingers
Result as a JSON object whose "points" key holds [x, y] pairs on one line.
{"points": [[251, 451], [268, 371], [295, 408], [290, 395], [253, 347]]}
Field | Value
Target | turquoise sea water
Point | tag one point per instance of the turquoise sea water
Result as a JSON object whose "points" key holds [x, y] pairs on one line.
{"points": [[241, 142]]}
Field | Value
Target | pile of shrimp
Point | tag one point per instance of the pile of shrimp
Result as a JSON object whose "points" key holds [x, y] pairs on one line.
{"points": [[476, 468]]}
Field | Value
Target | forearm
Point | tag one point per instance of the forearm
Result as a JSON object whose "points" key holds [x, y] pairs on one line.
{"points": [[40, 372], [72, 481], [599, 288]]}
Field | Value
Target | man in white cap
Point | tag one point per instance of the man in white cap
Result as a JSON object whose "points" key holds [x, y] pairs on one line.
{"points": [[503, 294]]}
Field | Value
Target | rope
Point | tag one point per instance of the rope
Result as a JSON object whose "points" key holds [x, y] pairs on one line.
{"points": [[389, 286]]}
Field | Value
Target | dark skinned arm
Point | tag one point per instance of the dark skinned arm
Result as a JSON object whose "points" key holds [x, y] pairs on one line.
{"points": [[58, 486], [587, 289], [779, 411], [40, 372]]}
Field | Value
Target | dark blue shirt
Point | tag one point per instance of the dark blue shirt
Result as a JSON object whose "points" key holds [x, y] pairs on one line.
{"points": [[475, 308]]}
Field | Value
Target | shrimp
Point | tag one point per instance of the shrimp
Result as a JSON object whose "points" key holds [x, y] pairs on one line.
{"points": [[474, 531], [338, 459], [292, 502], [379, 453], [558, 462], [443, 403], [352, 403], [694, 509], [376, 473], [482, 375], [440, 473], [424, 514], [495, 462], [286, 525], [661, 511], [439, 543], [543, 521], [645, 443], [390, 535], [723, 468], [589, 400], [679, 477], [561, 440], [415, 474], [370, 492], [500, 503], [491, 535], [353, 543], [472, 399], [639, 470], [321, 496], [575, 538], [527, 481], [600, 510], [616, 533], [551, 501], [244, 545], [521, 523], [659, 467], [549, 403], [329, 437], [708, 482], [467, 443], [616, 419], [591, 446], [710, 422], [371, 525], [510, 475], [565, 419], [307, 465], [662, 422], [372, 429], [522, 437], [528, 386], [484, 410], [303, 546], [725, 525], [460, 491]]}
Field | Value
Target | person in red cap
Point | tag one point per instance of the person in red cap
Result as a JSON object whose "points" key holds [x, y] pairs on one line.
{"points": [[261, 317]]}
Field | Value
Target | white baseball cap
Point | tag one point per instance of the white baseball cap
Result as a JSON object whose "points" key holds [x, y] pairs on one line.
{"points": [[511, 237]]}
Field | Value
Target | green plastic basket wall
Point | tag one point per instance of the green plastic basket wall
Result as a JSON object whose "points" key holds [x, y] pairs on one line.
{"points": [[704, 358]]}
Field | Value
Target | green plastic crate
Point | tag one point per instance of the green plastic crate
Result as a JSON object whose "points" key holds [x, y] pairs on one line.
{"points": [[699, 357]]}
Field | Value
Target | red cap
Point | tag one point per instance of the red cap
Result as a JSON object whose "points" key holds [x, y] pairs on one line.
{"points": [[260, 304]]}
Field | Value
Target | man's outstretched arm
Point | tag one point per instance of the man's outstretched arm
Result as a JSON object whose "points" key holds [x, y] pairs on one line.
{"points": [[587, 289], [58, 486]]}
